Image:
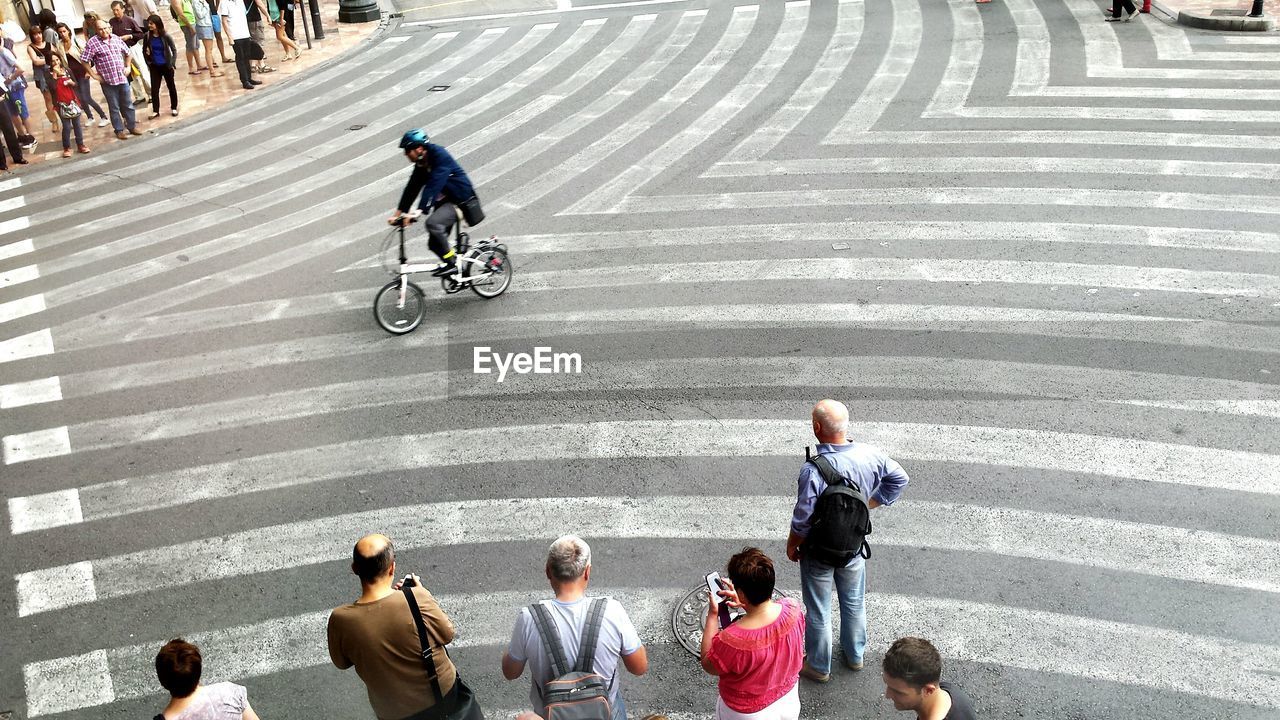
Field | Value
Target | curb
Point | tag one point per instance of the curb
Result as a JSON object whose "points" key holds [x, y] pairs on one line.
{"points": [[1227, 23]]}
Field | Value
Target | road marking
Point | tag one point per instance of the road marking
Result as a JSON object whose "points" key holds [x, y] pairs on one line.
{"points": [[1137, 460], [30, 392], [729, 105], [36, 445], [10, 184], [12, 203], [14, 249], [21, 307], [17, 276], [1039, 641], [33, 344], [14, 225], [994, 164], [61, 507], [534, 13], [75, 582]]}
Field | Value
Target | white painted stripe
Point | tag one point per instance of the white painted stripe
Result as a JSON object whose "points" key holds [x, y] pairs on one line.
{"points": [[1175, 553], [1174, 93], [1014, 196], [1013, 272], [14, 249], [965, 54], [735, 35], [884, 86], [1130, 113], [10, 184], [12, 203], [1031, 66], [31, 345], [396, 39], [995, 164], [48, 689], [17, 276], [1030, 639], [36, 445], [21, 307], [44, 590], [931, 318], [534, 13], [662, 56], [733, 102], [1128, 138], [54, 509], [1138, 460], [14, 225], [31, 392], [586, 73], [816, 85]]}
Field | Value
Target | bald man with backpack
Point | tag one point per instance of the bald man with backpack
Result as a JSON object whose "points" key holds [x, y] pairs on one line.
{"points": [[838, 487]]}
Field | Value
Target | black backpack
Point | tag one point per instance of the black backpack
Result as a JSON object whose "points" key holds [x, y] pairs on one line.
{"points": [[841, 520]]}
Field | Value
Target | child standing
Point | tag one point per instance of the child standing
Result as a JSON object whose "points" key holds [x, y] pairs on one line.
{"points": [[64, 98]]}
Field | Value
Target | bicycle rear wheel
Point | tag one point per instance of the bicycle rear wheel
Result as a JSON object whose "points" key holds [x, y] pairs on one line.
{"points": [[496, 276], [395, 317]]}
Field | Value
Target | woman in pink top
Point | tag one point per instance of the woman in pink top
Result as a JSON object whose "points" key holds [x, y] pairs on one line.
{"points": [[757, 657]]}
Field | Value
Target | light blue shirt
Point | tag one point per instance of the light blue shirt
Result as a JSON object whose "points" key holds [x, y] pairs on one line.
{"points": [[877, 475]]}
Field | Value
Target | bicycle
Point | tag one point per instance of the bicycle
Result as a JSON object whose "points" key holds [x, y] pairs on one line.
{"points": [[400, 305]]}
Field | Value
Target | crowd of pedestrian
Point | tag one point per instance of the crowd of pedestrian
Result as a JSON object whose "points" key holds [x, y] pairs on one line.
{"points": [[575, 646], [130, 56]]}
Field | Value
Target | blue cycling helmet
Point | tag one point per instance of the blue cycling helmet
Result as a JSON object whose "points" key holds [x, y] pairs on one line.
{"points": [[413, 139]]}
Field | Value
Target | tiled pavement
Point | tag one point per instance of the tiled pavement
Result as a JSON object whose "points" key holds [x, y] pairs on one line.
{"points": [[202, 92]]}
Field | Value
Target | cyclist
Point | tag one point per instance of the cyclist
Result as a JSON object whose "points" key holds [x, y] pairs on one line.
{"points": [[442, 183]]}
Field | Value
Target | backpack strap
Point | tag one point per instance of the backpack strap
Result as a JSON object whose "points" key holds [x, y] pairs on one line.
{"points": [[590, 635], [428, 661], [550, 639], [830, 475]]}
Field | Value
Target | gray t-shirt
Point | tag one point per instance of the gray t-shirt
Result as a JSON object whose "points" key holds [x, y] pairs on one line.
{"points": [[617, 637], [220, 701]]}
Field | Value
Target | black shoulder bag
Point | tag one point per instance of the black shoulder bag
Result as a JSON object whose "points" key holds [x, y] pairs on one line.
{"points": [[460, 703]]}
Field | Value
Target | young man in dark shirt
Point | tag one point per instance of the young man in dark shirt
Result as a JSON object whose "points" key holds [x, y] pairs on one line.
{"points": [[912, 680]]}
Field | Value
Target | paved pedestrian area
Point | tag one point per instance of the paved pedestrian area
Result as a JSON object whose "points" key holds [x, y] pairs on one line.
{"points": [[202, 92]]}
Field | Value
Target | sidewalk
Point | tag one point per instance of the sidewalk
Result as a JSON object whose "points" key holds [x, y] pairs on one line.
{"points": [[1230, 15], [197, 93]]}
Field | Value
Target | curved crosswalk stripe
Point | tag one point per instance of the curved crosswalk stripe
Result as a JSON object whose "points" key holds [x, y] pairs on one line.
{"points": [[648, 168], [1174, 553], [889, 79], [962, 630], [1138, 460]]}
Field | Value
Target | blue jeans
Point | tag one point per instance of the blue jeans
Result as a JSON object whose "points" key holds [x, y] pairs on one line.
{"points": [[851, 585], [120, 104]]}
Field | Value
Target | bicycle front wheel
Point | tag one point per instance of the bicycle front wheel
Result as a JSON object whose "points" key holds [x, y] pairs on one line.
{"points": [[398, 317], [494, 279]]}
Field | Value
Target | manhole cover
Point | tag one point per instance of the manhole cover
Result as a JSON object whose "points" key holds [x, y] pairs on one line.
{"points": [[689, 614]]}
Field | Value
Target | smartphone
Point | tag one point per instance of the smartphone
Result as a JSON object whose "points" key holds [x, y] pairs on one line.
{"points": [[408, 581], [714, 587]]}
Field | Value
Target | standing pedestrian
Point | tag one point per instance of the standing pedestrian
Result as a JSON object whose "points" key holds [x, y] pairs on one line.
{"points": [[204, 33], [15, 102], [109, 60], [913, 681], [72, 46], [233, 16], [12, 139], [878, 480], [130, 33], [64, 98], [40, 52], [215, 18], [178, 668], [185, 14], [1121, 5], [564, 620], [255, 11], [375, 634], [758, 657], [277, 23], [161, 54]]}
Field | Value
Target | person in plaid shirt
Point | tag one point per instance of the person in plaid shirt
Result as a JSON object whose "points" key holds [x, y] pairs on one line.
{"points": [[109, 57]]}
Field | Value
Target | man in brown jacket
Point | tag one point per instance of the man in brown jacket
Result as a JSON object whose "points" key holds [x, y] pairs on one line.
{"points": [[376, 634]]}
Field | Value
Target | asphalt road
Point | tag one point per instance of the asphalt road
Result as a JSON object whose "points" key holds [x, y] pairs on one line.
{"points": [[1035, 253]]}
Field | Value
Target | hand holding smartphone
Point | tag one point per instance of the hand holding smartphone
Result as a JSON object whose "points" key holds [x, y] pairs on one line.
{"points": [[714, 585]]}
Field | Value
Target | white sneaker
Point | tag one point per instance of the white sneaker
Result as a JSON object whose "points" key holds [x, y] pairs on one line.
{"points": [[102, 122]]}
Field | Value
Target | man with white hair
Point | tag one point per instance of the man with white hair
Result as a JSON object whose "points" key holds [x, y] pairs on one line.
{"points": [[878, 479], [569, 570]]}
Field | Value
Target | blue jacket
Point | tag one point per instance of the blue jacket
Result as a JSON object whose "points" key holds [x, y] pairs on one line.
{"points": [[437, 172]]}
